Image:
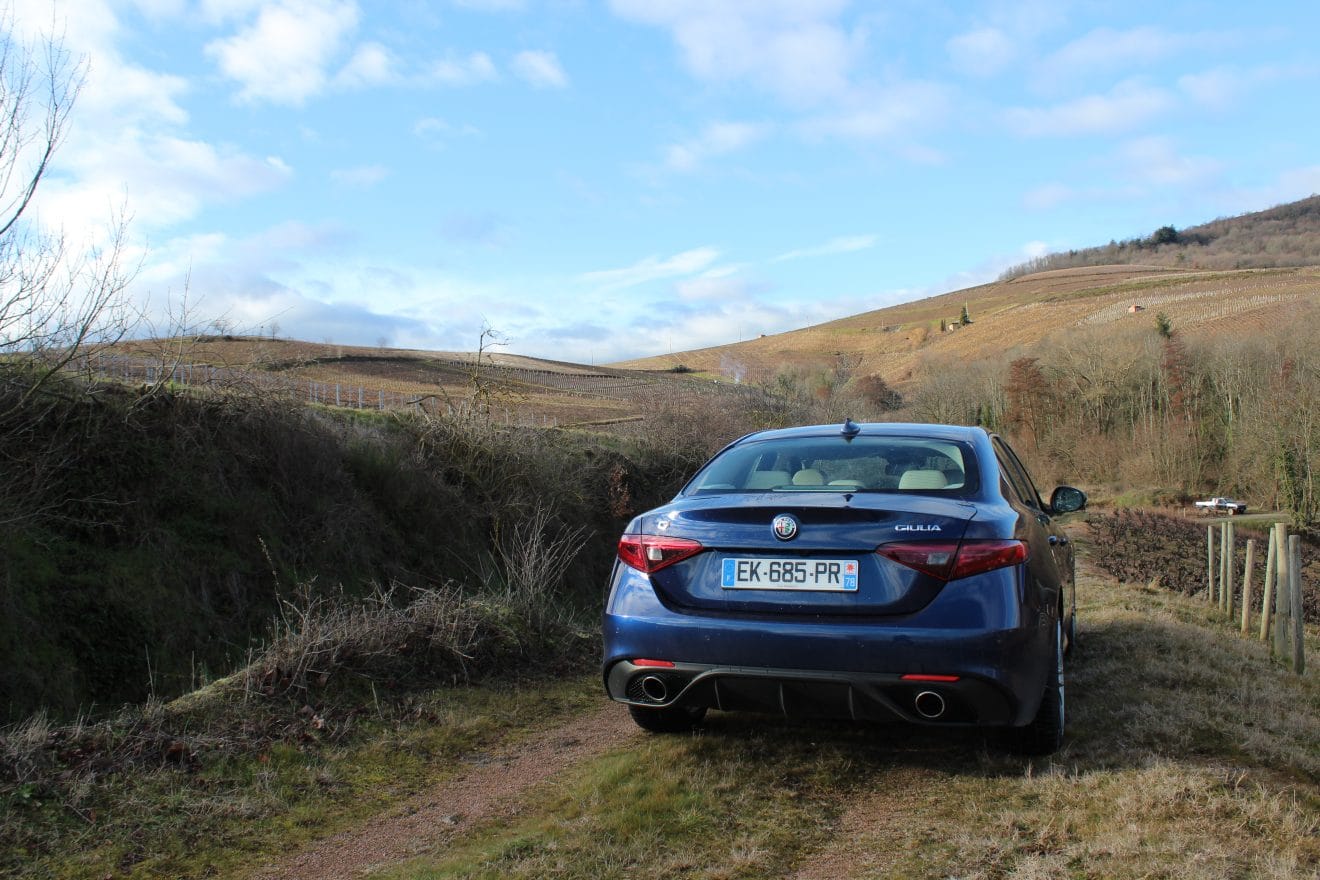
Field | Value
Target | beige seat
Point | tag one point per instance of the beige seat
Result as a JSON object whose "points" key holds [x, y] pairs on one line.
{"points": [[766, 479], [922, 479], [851, 484], [808, 477]]}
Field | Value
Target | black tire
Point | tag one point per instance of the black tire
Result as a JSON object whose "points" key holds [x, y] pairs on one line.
{"points": [[667, 719], [1044, 735]]}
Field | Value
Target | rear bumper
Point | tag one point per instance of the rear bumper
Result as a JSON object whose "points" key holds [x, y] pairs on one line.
{"points": [[984, 630], [811, 693]]}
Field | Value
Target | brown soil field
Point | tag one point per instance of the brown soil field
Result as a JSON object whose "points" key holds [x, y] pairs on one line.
{"points": [[518, 389], [1162, 548]]}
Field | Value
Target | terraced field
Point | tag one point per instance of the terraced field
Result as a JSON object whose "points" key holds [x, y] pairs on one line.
{"points": [[893, 341]]}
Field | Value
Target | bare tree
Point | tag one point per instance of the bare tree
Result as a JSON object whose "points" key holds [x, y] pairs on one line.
{"points": [[56, 301]]}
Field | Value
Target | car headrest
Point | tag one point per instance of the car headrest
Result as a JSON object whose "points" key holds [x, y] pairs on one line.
{"points": [[922, 479]]}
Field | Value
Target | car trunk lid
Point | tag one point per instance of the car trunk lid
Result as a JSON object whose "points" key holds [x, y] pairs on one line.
{"points": [[828, 566]]}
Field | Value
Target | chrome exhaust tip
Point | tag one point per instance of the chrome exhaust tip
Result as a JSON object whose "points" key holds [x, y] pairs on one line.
{"points": [[655, 689], [929, 705]]}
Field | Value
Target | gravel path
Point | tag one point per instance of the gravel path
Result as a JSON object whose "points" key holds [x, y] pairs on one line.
{"points": [[434, 817]]}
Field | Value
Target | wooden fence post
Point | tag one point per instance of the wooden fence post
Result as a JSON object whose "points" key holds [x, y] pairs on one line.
{"points": [[1209, 563], [1267, 600], [1298, 628], [1224, 562], [1282, 600], [1229, 565], [1246, 585]]}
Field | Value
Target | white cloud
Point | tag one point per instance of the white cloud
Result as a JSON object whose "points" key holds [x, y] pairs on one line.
{"points": [[1290, 185], [437, 132], [1155, 161], [717, 139], [982, 52], [1221, 88], [221, 11], [372, 64], [652, 269], [1218, 89], [794, 49], [1106, 49], [1128, 105], [360, 177], [1135, 170], [491, 5], [843, 245], [1047, 196], [475, 68], [894, 113], [165, 179], [283, 56], [128, 147], [724, 289], [540, 69], [115, 90]]}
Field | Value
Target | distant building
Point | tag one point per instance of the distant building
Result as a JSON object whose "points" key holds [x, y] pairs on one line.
{"points": [[1134, 308]]}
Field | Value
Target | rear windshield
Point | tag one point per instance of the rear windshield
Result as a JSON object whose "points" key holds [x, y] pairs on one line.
{"points": [[833, 464]]}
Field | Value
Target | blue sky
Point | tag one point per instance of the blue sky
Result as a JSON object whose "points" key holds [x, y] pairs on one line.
{"points": [[610, 179]]}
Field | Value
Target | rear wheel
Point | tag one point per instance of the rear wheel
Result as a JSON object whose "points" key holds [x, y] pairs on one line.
{"points": [[667, 719], [1044, 735], [1071, 641]]}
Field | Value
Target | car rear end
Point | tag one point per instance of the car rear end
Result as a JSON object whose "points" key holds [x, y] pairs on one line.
{"points": [[866, 595]]}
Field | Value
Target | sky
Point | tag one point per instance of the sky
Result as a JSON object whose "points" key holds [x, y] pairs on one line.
{"points": [[597, 180]]}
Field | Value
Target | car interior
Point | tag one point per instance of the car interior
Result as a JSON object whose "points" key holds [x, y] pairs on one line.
{"points": [[902, 465]]}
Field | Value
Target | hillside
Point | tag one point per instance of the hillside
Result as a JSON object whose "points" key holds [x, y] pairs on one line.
{"points": [[511, 389], [1015, 315], [1285, 235]]}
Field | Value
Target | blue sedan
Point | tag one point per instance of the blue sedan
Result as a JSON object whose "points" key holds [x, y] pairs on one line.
{"points": [[878, 572]]}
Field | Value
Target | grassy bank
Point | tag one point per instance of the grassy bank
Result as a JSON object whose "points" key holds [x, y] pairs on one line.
{"points": [[152, 536]]}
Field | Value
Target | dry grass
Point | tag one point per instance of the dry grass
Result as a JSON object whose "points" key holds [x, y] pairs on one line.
{"points": [[437, 633], [893, 342], [1190, 755]]}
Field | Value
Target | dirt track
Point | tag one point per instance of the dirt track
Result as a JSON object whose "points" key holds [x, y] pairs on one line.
{"points": [[490, 788]]}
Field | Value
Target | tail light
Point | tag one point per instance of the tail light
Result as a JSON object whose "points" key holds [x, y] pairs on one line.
{"points": [[650, 553], [950, 560]]}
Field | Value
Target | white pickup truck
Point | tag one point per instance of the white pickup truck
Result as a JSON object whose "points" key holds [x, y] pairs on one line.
{"points": [[1222, 505]]}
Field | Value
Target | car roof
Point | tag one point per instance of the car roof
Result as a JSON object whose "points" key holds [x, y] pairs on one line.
{"points": [[872, 429]]}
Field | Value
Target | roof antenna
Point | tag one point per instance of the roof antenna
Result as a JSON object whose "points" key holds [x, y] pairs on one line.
{"points": [[850, 429]]}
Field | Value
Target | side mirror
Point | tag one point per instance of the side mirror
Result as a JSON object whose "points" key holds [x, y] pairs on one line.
{"points": [[1066, 499]]}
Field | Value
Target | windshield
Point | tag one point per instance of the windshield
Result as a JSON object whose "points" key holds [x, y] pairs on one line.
{"points": [[833, 464]]}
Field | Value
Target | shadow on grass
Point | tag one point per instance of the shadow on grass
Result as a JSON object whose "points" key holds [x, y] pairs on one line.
{"points": [[1138, 690]]}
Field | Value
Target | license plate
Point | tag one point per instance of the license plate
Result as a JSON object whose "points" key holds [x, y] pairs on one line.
{"points": [[836, 575]]}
